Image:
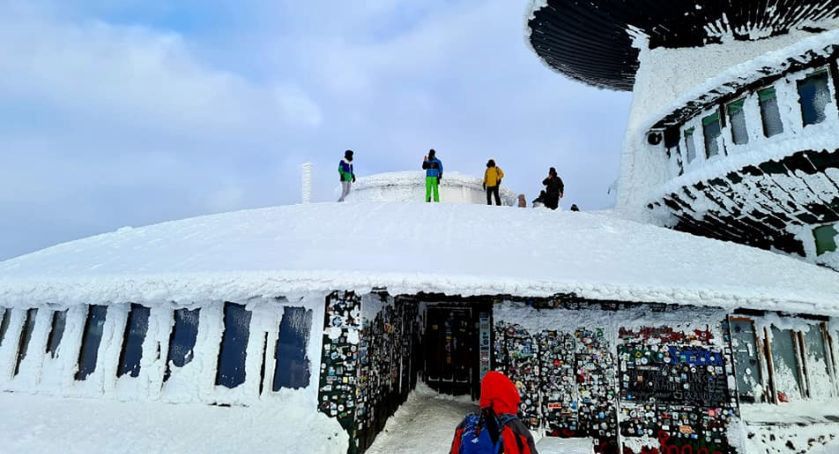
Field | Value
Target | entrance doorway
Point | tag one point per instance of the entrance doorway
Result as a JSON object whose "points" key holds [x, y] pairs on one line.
{"points": [[453, 355]]}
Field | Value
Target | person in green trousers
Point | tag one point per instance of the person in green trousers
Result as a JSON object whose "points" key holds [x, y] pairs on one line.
{"points": [[433, 174]]}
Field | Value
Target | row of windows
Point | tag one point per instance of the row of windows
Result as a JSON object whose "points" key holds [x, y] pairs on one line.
{"points": [[703, 137], [291, 364], [778, 364]]}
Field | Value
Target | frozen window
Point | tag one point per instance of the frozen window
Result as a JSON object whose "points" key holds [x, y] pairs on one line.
{"points": [[746, 360], [769, 113], [234, 346], [712, 131], [59, 321], [132, 344], [818, 370], [292, 369], [5, 317], [25, 337], [690, 146], [787, 378], [813, 95], [825, 237], [182, 340], [92, 337], [737, 118]]}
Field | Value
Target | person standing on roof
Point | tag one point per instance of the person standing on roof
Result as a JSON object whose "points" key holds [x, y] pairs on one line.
{"points": [[433, 174], [554, 189], [492, 182], [345, 172], [496, 429]]}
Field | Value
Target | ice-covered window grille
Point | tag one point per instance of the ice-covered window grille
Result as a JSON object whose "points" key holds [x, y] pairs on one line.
{"points": [[712, 131], [91, 339], [132, 344], [786, 375], [292, 365], [814, 96], [5, 317], [737, 119], [25, 337], [819, 370], [234, 346], [690, 145], [59, 321], [825, 237], [747, 360], [769, 113], [182, 339]]}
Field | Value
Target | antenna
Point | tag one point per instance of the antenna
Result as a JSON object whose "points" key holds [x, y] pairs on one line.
{"points": [[306, 182]]}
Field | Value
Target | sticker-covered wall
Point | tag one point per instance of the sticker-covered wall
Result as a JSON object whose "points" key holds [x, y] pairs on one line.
{"points": [[635, 378], [368, 363]]}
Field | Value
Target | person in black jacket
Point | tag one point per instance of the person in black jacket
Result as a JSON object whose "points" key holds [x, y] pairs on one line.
{"points": [[554, 189]]}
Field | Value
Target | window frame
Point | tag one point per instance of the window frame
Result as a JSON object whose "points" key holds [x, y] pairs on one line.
{"points": [[738, 105], [813, 74]]}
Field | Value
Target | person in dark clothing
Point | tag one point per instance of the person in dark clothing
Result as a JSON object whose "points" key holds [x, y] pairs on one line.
{"points": [[499, 407], [554, 189], [433, 174], [492, 182], [574, 207]]}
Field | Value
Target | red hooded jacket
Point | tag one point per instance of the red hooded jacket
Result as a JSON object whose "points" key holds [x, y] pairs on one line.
{"points": [[500, 394]]}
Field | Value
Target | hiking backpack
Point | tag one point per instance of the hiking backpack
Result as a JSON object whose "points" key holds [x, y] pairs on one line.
{"points": [[476, 437]]}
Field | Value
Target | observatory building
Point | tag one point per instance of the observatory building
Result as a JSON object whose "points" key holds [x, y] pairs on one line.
{"points": [[734, 129], [321, 318]]}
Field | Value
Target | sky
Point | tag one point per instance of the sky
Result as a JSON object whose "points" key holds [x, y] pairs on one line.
{"points": [[132, 112]]}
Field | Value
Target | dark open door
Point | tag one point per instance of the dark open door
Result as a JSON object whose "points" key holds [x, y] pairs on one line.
{"points": [[451, 356]]}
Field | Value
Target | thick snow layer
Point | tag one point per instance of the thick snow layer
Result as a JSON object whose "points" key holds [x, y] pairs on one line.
{"points": [[411, 248], [410, 187], [47, 424]]}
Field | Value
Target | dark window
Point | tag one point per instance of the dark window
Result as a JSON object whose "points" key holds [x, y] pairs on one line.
{"points": [[746, 360], [825, 236], [5, 317], [769, 113], [132, 343], [813, 95], [91, 338], [59, 321], [737, 119], [690, 146], [182, 340], [292, 366], [25, 337], [712, 131], [234, 346], [787, 377]]}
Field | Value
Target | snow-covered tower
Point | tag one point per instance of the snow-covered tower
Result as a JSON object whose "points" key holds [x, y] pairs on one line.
{"points": [[734, 129]]}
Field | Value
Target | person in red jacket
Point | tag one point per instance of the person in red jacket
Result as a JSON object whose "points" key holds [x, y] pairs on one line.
{"points": [[500, 402]]}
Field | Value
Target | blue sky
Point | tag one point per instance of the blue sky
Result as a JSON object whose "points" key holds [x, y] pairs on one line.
{"points": [[130, 112]]}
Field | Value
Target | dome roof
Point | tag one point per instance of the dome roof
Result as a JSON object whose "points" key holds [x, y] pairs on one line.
{"points": [[589, 40], [412, 248]]}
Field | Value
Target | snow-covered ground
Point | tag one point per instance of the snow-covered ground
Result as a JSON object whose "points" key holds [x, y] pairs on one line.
{"points": [[44, 424], [425, 423]]}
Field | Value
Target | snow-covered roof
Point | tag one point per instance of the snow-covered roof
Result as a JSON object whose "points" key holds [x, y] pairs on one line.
{"points": [[411, 248]]}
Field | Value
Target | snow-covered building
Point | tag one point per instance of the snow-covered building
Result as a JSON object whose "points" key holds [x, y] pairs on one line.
{"points": [[734, 128], [313, 322], [410, 187]]}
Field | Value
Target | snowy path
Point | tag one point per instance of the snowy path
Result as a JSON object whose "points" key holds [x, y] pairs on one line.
{"points": [[425, 423]]}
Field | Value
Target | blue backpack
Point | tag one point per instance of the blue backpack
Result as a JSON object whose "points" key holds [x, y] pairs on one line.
{"points": [[476, 437]]}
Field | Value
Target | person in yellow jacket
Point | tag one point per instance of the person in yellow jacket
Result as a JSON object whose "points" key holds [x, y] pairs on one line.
{"points": [[492, 181]]}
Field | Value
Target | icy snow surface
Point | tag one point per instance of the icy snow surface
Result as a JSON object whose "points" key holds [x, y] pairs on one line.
{"points": [[426, 422], [408, 248], [46, 424]]}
